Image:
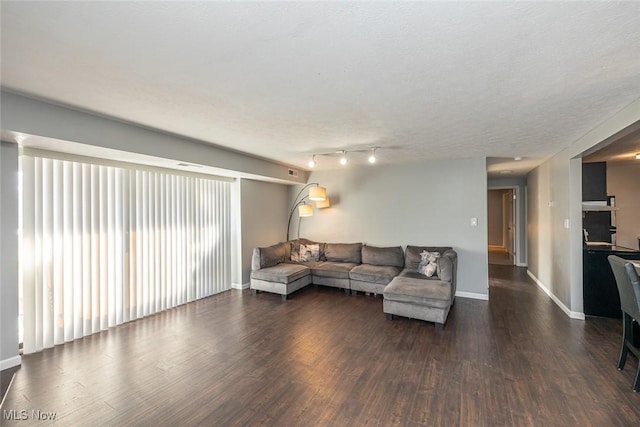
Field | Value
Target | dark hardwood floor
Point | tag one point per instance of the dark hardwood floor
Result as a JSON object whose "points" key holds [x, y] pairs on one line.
{"points": [[326, 358]]}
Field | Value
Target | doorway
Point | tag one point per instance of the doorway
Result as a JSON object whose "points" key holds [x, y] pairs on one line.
{"points": [[501, 214]]}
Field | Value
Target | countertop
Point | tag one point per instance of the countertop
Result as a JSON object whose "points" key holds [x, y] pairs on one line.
{"points": [[616, 249]]}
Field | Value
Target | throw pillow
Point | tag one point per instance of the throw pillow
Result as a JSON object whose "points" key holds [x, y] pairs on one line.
{"points": [[428, 263], [309, 253]]}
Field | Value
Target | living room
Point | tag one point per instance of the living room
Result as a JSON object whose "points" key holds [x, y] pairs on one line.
{"points": [[442, 139]]}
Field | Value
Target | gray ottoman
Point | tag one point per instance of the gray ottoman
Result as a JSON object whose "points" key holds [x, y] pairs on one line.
{"points": [[418, 298]]}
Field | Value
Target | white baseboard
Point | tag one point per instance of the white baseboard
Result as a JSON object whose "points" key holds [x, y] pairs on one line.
{"points": [[522, 264], [484, 297], [571, 314], [10, 362], [240, 286]]}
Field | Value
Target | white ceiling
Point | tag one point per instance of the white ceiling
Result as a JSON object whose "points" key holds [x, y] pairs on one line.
{"points": [[286, 80]]}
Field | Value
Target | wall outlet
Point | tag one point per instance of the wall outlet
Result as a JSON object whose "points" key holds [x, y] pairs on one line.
{"points": [[474, 222]]}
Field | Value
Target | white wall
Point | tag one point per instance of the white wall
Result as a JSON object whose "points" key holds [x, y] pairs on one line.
{"points": [[555, 193], [623, 181], [8, 256], [415, 204], [265, 213]]}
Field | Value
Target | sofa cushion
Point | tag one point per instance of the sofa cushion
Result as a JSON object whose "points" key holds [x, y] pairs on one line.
{"points": [[338, 270], [446, 265], [380, 274], [414, 275], [343, 252], [269, 256], [281, 273], [434, 293], [393, 256]]}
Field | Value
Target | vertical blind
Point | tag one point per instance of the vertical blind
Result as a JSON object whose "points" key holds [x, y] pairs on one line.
{"points": [[103, 245]]}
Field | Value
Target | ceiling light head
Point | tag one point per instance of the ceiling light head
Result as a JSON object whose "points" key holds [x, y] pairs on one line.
{"points": [[638, 156], [506, 172], [312, 162], [372, 157], [343, 158], [517, 159]]}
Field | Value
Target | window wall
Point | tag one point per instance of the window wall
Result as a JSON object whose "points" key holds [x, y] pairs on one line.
{"points": [[102, 245]]}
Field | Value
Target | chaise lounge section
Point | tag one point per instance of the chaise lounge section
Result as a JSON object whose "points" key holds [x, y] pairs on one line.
{"points": [[270, 271], [417, 296]]}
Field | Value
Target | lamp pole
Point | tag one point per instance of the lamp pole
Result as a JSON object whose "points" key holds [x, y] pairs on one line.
{"points": [[297, 203]]}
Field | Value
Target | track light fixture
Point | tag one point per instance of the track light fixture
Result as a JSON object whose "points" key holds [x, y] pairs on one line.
{"points": [[342, 156]]}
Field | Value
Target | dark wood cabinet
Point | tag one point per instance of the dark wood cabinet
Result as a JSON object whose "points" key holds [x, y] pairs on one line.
{"points": [[594, 181], [600, 292]]}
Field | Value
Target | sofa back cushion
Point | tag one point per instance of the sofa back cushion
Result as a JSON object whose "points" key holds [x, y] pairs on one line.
{"points": [[269, 256], [343, 252], [391, 256]]}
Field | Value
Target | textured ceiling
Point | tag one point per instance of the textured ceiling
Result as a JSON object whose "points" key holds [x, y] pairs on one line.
{"points": [[286, 80]]}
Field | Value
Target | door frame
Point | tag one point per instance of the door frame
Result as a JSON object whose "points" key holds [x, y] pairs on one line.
{"points": [[518, 222]]}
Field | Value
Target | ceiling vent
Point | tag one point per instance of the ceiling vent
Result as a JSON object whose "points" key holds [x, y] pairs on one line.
{"points": [[293, 173]]}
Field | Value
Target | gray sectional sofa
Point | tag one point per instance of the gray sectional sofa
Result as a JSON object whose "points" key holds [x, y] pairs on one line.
{"points": [[389, 271]]}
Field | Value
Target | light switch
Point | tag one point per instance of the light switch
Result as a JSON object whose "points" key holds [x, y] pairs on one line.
{"points": [[566, 223], [474, 222]]}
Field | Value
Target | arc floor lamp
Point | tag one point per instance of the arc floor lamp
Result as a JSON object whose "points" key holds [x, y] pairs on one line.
{"points": [[317, 194]]}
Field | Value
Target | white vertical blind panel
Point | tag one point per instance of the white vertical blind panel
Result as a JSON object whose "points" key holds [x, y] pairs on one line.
{"points": [[30, 252], [86, 231], [67, 311], [76, 249], [104, 245]]}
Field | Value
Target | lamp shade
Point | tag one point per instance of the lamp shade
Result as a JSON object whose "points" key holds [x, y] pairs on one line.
{"points": [[317, 193], [321, 204], [305, 210]]}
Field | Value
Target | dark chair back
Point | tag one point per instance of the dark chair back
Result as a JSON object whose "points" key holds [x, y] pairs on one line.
{"points": [[628, 285]]}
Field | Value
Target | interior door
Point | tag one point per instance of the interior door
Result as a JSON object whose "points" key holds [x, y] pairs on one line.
{"points": [[508, 215]]}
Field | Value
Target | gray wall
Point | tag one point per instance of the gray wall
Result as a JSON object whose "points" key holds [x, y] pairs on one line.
{"points": [[555, 193], [8, 255], [623, 181], [521, 212], [264, 218], [494, 217], [417, 204]]}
